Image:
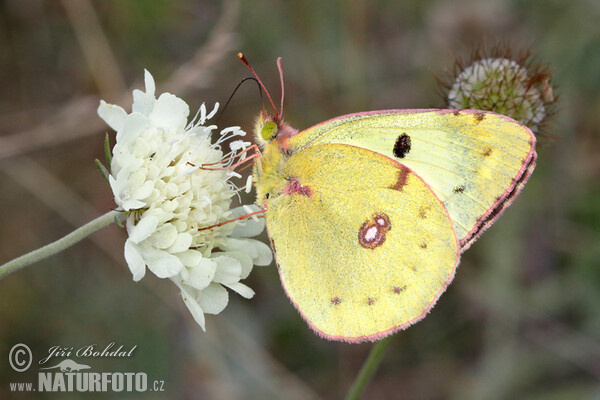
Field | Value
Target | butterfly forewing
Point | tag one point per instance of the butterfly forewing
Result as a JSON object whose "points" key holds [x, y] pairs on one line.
{"points": [[475, 162]]}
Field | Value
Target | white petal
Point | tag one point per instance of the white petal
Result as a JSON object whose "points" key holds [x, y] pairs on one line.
{"points": [[121, 186], [261, 253], [159, 213], [241, 289], [202, 275], [213, 299], [170, 112], [183, 276], [164, 236], [143, 191], [135, 124], [149, 82], [242, 245], [134, 260], [190, 258], [113, 115], [265, 255], [161, 263], [245, 261], [123, 159], [144, 228], [182, 243], [229, 269], [143, 102], [131, 204], [247, 228], [193, 306]]}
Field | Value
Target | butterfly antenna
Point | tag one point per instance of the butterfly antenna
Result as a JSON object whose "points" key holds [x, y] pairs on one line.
{"points": [[243, 59], [233, 93], [280, 68]]}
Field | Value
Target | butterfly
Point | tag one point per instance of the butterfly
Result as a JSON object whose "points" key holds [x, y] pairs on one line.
{"points": [[368, 213]]}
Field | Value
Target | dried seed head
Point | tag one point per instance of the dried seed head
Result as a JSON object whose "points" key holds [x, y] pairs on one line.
{"points": [[502, 83]]}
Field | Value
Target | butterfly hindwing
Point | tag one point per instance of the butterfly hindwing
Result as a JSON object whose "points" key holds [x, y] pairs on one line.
{"points": [[475, 162], [364, 246]]}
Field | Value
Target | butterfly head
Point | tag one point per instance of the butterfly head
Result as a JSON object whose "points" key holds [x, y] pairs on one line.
{"points": [[269, 127]]}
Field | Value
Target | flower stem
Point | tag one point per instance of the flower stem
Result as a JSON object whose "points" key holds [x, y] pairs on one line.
{"points": [[59, 245], [368, 369]]}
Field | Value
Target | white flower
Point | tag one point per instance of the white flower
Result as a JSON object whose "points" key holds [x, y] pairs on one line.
{"points": [[156, 178]]}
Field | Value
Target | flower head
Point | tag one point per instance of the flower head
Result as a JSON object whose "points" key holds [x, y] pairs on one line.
{"points": [[504, 84], [157, 179]]}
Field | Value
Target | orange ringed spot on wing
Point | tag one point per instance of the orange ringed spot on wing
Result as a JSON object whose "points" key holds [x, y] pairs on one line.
{"points": [[372, 232]]}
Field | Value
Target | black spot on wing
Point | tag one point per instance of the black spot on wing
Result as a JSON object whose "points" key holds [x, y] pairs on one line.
{"points": [[402, 146]]}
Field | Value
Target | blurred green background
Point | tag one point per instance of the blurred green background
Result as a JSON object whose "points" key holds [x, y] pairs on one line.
{"points": [[522, 318]]}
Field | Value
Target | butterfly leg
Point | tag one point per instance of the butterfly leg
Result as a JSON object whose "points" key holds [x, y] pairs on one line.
{"points": [[241, 217], [256, 155]]}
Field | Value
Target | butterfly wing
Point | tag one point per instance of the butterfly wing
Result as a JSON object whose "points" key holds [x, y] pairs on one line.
{"points": [[364, 247], [476, 162]]}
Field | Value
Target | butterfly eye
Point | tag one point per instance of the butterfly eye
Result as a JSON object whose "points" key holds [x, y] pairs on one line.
{"points": [[269, 130]]}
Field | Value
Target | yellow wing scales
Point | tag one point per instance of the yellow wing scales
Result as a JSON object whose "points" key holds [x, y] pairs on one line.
{"points": [[475, 162], [364, 246]]}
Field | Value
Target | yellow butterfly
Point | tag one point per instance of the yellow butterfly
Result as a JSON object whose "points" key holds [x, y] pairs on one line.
{"points": [[368, 213]]}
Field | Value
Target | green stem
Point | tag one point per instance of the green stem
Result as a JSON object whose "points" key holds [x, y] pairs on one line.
{"points": [[59, 245], [368, 369]]}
